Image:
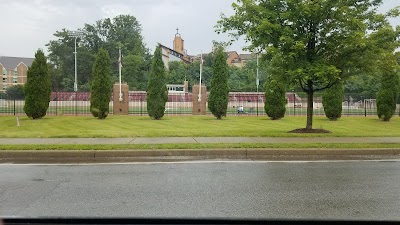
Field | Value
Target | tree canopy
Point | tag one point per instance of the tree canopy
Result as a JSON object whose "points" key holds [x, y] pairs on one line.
{"points": [[122, 31], [320, 42]]}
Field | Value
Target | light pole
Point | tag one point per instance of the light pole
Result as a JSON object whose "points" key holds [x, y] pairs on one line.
{"points": [[75, 34], [119, 70], [201, 71], [257, 83]]}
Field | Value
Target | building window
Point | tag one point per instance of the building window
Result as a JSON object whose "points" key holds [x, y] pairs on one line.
{"points": [[15, 72], [4, 79], [4, 72], [15, 80]]}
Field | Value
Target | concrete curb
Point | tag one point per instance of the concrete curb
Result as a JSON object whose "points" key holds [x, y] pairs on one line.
{"points": [[30, 156]]}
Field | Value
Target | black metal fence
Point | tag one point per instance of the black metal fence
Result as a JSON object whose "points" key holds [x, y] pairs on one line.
{"points": [[240, 104]]}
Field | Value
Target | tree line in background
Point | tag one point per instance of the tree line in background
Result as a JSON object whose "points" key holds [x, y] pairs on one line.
{"points": [[123, 32], [239, 79]]}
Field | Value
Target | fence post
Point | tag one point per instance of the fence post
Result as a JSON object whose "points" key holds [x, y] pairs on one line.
{"points": [[14, 105], [348, 105], [294, 104], [56, 103], [365, 108], [370, 105], [141, 105], [257, 102], [76, 105]]}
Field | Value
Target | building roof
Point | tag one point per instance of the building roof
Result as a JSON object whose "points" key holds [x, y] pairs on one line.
{"points": [[176, 53], [11, 63], [246, 56]]}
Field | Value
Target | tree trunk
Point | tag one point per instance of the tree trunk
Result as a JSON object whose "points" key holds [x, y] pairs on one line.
{"points": [[310, 109]]}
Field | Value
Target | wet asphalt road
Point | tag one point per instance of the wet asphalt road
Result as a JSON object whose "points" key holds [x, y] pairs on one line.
{"points": [[313, 190]]}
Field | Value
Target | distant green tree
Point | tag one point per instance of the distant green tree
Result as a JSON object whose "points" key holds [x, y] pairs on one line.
{"points": [[132, 72], [332, 99], [157, 93], [37, 88], [275, 98], [219, 93], [16, 92], [101, 86], [389, 90], [177, 72], [244, 79], [123, 31], [366, 85]]}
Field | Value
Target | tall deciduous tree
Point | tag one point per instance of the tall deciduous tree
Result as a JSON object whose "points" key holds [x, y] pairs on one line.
{"points": [[332, 100], [37, 88], [219, 93], [101, 86], [121, 31], [157, 93], [320, 41]]}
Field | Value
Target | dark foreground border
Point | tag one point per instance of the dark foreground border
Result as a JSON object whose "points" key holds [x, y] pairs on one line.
{"points": [[109, 221]]}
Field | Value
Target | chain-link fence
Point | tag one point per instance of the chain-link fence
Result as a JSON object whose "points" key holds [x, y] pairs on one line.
{"points": [[240, 104]]}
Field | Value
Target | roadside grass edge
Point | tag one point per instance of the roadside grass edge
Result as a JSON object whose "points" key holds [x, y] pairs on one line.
{"points": [[208, 146]]}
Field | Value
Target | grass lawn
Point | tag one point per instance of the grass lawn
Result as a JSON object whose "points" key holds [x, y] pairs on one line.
{"points": [[192, 126]]}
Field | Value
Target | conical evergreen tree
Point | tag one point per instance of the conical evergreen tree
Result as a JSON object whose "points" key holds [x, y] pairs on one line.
{"points": [[37, 88], [388, 95], [332, 99], [219, 92], [101, 86], [157, 93], [275, 98]]}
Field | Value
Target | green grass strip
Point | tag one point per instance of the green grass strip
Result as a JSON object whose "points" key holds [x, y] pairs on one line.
{"points": [[191, 126]]}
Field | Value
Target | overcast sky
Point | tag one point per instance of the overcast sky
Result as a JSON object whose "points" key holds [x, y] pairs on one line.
{"points": [[29, 25]]}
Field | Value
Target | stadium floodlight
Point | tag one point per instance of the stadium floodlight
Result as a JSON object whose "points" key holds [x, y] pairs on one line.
{"points": [[76, 35]]}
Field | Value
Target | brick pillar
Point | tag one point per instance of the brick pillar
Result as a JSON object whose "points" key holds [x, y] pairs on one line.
{"points": [[199, 108], [121, 108]]}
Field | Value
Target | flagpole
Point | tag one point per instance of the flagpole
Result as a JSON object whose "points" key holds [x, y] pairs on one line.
{"points": [[201, 70], [257, 83], [120, 82]]}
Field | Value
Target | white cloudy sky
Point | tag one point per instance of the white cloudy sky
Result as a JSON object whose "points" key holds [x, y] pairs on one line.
{"points": [[29, 25]]}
